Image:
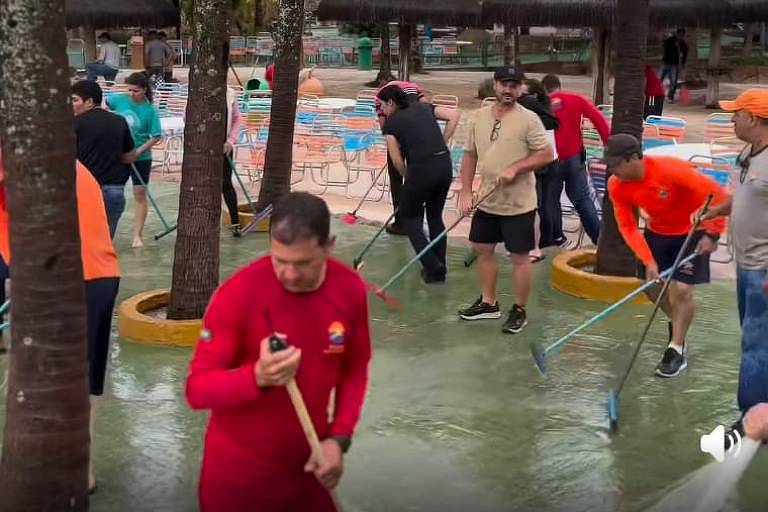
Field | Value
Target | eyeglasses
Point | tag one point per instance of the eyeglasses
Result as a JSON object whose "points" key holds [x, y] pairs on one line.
{"points": [[495, 131]]}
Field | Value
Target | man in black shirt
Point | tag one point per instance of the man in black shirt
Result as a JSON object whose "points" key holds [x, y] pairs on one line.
{"points": [[673, 62], [104, 145]]}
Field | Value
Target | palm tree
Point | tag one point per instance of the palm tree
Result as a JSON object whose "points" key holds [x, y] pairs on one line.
{"points": [[613, 256], [196, 257], [44, 465], [385, 64], [279, 154]]}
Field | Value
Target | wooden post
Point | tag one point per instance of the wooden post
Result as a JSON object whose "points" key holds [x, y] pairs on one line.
{"points": [[749, 37], [713, 67], [509, 50], [404, 66], [88, 34], [516, 37], [764, 37]]}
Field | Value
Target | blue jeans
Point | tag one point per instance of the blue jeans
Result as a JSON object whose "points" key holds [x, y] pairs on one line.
{"points": [[114, 204], [671, 72], [573, 174], [94, 69], [753, 314]]}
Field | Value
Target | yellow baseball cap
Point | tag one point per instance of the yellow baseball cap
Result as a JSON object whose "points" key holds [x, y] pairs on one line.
{"points": [[754, 101]]}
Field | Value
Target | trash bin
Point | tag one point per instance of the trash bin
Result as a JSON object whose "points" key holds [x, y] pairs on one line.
{"points": [[365, 54]]}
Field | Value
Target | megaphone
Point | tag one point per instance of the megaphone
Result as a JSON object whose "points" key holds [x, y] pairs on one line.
{"points": [[716, 442]]}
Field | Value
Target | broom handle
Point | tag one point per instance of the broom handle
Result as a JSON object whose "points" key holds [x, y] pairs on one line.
{"points": [[435, 240], [667, 282], [309, 430], [373, 184]]}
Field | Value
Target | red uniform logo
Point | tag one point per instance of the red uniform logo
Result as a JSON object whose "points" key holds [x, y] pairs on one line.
{"points": [[336, 337]]}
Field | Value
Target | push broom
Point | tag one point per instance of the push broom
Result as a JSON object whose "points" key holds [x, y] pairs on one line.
{"points": [[351, 217], [167, 229], [613, 396]]}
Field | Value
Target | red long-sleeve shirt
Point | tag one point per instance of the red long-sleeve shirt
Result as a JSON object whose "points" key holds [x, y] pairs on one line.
{"points": [[671, 192], [255, 449], [570, 108], [653, 86]]}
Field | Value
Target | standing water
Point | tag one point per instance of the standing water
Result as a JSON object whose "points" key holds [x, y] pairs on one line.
{"points": [[457, 418]]}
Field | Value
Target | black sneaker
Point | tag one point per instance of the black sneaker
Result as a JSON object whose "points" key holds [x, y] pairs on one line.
{"points": [[236, 231], [395, 229], [516, 320], [480, 311], [432, 278], [672, 363]]}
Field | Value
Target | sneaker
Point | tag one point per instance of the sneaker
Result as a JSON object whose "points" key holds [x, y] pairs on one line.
{"points": [[480, 311], [395, 229], [516, 320], [567, 245], [672, 363], [236, 232], [432, 278]]}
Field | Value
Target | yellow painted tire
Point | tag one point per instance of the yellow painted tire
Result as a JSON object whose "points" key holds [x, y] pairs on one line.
{"points": [[568, 277], [134, 325], [246, 217]]}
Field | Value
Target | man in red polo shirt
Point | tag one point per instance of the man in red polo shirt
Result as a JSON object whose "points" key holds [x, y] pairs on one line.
{"points": [[670, 192], [256, 457], [570, 108]]}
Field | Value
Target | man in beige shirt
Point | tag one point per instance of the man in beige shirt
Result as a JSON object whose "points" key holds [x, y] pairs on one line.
{"points": [[506, 144]]}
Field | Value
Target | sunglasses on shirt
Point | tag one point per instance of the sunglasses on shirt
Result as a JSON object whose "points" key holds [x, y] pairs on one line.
{"points": [[495, 131]]}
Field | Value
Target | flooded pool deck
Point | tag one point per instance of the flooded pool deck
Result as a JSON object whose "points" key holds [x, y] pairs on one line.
{"points": [[457, 417]]}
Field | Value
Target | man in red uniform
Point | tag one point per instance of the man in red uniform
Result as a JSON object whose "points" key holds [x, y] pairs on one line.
{"points": [[570, 108], [670, 192], [256, 457]]}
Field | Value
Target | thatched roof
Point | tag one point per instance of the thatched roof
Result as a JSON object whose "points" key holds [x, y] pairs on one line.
{"points": [[117, 13], [450, 12], [564, 13]]}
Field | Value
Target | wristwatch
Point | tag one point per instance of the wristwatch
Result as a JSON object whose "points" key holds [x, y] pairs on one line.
{"points": [[344, 442]]}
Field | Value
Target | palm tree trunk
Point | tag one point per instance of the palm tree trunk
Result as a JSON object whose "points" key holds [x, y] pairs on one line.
{"points": [[385, 64], [510, 49], [601, 55], [279, 154], [713, 67], [196, 256], [613, 256], [44, 465]]}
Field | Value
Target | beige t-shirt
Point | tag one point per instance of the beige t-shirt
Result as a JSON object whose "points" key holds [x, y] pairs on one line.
{"points": [[520, 134]]}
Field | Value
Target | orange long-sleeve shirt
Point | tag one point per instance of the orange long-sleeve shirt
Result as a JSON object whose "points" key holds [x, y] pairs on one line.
{"points": [[97, 252], [670, 193]]}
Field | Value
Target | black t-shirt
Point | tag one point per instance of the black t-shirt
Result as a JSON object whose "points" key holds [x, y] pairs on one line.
{"points": [[416, 129], [102, 139]]}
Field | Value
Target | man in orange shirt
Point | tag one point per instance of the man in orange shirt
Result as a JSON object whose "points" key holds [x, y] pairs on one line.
{"points": [[670, 192], [100, 272]]}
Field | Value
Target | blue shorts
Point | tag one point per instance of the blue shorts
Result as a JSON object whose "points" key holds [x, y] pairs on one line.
{"points": [[144, 167]]}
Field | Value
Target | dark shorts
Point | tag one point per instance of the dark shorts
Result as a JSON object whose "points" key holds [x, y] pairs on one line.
{"points": [[144, 167], [516, 231], [100, 297], [665, 248]]}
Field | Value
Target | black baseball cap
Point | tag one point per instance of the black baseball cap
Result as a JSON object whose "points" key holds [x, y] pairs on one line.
{"points": [[621, 147], [509, 73]]}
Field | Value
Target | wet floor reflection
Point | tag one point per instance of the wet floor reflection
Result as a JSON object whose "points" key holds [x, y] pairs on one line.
{"points": [[457, 418]]}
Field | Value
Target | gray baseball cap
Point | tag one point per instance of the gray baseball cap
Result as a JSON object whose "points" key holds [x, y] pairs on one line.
{"points": [[621, 147]]}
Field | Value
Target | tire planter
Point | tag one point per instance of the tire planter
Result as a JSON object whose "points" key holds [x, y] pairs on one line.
{"points": [[569, 276], [135, 325]]}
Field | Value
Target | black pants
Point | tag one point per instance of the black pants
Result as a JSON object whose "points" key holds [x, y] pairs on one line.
{"points": [[426, 189], [395, 188], [654, 106], [100, 295], [230, 196], [548, 190]]}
